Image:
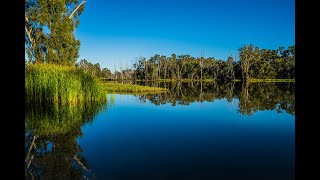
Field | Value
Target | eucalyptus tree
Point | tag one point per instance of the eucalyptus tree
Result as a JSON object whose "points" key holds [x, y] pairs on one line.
{"points": [[164, 65], [127, 74], [172, 66], [49, 30], [181, 65], [88, 67], [230, 68], [155, 66], [201, 59], [139, 66], [96, 70], [263, 68], [106, 73], [248, 56], [84, 65], [286, 62], [194, 68]]}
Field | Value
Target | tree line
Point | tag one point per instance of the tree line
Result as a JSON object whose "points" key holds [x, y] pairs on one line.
{"points": [[96, 71], [253, 63]]}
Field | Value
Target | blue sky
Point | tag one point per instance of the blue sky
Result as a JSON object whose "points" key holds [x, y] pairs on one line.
{"points": [[118, 31]]}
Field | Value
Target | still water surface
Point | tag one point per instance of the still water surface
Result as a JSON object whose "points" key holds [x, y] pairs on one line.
{"points": [[191, 132]]}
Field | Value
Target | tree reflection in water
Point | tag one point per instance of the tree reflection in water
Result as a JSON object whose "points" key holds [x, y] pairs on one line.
{"points": [[251, 96], [51, 147]]}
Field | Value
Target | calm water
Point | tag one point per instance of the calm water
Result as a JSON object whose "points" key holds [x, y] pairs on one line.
{"points": [[195, 131]]}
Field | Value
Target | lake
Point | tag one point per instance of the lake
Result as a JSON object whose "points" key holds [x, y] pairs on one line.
{"points": [[196, 130]]}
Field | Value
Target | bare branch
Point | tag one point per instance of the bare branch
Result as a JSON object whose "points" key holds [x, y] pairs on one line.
{"points": [[76, 9], [26, 18], [28, 33], [31, 146]]}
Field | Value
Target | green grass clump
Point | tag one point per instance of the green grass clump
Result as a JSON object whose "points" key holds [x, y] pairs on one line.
{"points": [[59, 84], [110, 87]]}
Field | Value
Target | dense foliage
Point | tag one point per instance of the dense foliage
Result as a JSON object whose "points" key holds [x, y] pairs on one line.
{"points": [[253, 63], [49, 30]]}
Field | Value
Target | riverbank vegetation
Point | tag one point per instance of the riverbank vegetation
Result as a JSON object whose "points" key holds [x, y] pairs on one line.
{"points": [[253, 63], [112, 87], [60, 84]]}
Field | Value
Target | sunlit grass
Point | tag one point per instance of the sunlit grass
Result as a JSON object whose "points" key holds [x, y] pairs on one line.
{"points": [[111, 87], [60, 84]]}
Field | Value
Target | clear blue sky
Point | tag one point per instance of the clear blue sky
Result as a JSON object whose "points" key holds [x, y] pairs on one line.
{"points": [[118, 31]]}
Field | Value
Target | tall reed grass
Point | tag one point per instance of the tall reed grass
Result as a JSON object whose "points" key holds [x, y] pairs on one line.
{"points": [[47, 83]]}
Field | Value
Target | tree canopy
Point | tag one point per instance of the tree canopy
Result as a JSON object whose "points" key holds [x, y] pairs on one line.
{"points": [[253, 63], [49, 30]]}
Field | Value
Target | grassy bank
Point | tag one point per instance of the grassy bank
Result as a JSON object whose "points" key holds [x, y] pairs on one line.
{"points": [[110, 87], [48, 83], [60, 84]]}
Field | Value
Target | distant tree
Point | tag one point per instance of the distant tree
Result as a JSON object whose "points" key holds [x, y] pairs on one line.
{"points": [[106, 73], [139, 66], [127, 73], [229, 69], [248, 56], [263, 68]]}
